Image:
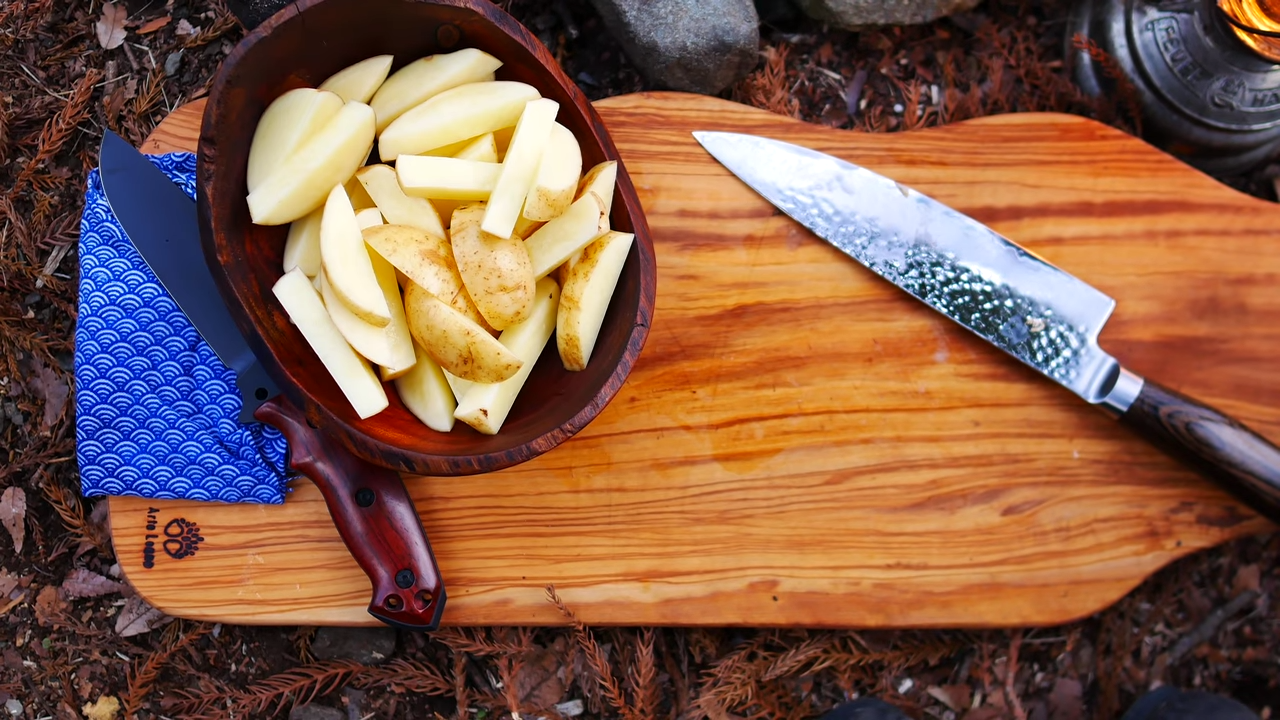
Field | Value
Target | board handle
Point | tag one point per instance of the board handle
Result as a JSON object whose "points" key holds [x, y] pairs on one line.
{"points": [[374, 515], [1243, 462]]}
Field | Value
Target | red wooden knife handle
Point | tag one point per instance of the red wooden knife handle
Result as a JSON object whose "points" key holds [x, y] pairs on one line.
{"points": [[375, 517]]}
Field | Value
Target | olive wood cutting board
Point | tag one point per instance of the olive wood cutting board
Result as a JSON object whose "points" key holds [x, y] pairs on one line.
{"points": [[801, 443]]}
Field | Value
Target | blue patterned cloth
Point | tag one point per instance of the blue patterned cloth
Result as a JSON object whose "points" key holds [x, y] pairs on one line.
{"points": [[156, 410]]}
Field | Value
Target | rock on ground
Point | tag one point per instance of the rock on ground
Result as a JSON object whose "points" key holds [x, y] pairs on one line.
{"points": [[316, 712], [370, 646], [853, 14], [699, 46]]}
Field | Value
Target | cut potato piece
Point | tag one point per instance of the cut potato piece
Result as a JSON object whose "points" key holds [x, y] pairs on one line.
{"points": [[426, 394], [481, 149], [389, 346], [354, 376], [557, 178], [560, 238], [601, 180], [327, 158], [427, 77], [446, 178], [485, 407], [427, 260], [502, 138], [360, 199], [495, 270], [359, 81], [456, 114], [457, 385], [457, 344], [519, 166], [302, 247], [368, 217], [587, 292], [526, 227], [346, 262], [382, 185], [286, 123]]}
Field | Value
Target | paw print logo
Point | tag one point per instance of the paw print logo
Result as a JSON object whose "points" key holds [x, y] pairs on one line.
{"points": [[182, 538]]}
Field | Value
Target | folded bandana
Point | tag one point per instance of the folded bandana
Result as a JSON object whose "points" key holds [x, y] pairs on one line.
{"points": [[156, 410]]}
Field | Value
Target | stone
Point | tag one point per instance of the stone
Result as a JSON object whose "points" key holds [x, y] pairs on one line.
{"points": [[855, 14], [697, 46], [368, 646], [316, 712]]}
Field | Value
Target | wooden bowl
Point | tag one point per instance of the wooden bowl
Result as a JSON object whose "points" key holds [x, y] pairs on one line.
{"points": [[301, 46]]}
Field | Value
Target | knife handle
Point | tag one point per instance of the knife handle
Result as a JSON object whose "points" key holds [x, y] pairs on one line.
{"points": [[374, 515], [1244, 463]]}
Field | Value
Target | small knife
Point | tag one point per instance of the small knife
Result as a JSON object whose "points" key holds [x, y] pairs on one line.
{"points": [[1039, 314], [370, 505]]}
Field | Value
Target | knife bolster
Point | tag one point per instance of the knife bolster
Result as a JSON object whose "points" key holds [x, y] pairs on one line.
{"points": [[1123, 393]]}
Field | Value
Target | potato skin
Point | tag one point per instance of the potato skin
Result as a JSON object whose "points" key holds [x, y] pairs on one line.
{"points": [[455, 343], [496, 271], [426, 259]]}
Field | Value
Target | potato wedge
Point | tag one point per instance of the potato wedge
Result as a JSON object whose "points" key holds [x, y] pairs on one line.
{"points": [[495, 270], [427, 260], [481, 149], [361, 80], [427, 77], [557, 178], [368, 217], [486, 407], [302, 246], [455, 114], [426, 394], [382, 185], [446, 178], [302, 182], [585, 299], [560, 238], [456, 344], [389, 346], [359, 197], [519, 166], [354, 376], [457, 385], [346, 262], [601, 179], [286, 123]]}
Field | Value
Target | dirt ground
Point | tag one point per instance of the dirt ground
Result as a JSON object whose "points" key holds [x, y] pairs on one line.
{"points": [[76, 643]]}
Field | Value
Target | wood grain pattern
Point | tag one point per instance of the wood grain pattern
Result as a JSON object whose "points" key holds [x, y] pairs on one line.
{"points": [[1246, 465], [301, 46], [800, 442]]}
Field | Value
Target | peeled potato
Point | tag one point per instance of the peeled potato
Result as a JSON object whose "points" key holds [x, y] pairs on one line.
{"points": [[557, 178], [382, 186], [346, 261], [286, 123], [446, 178], [427, 260], [519, 166], [359, 81], [586, 295], [425, 392], [495, 270], [457, 344], [455, 114], [302, 247], [568, 233], [427, 77]]}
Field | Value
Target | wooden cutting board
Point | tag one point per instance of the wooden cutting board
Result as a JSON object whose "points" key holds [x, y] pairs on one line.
{"points": [[803, 444]]}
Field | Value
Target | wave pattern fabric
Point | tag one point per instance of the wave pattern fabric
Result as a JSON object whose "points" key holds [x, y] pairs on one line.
{"points": [[156, 410]]}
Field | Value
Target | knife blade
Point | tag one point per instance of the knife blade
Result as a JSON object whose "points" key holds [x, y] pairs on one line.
{"points": [[1035, 312], [160, 221], [370, 505]]}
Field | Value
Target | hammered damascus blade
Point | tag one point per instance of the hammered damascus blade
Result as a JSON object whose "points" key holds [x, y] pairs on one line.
{"points": [[1035, 312]]}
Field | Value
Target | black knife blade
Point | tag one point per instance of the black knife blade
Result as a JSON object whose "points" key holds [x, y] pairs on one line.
{"points": [[160, 220]]}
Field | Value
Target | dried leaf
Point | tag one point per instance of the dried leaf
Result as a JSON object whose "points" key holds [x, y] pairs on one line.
{"points": [[8, 583], [955, 697], [83, 583], [110, 27], [49, 605], [538, 684], [1247, 578], [1066, 700], [137, 617], [53, 389], [13, 515], [154, 25], [106, 707]]}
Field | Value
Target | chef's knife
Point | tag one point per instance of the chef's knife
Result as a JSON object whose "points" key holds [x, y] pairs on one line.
{"points": [[370, 506], [1039, 314]]}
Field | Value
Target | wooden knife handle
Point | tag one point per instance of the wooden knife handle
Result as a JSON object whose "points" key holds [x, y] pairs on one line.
{"points": [[375, 517], [1241, 461]]}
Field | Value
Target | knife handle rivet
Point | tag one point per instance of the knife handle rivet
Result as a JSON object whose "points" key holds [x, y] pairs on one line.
{"points": [[364, 497], [405, 578], [261, 394], [392, 602]]}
